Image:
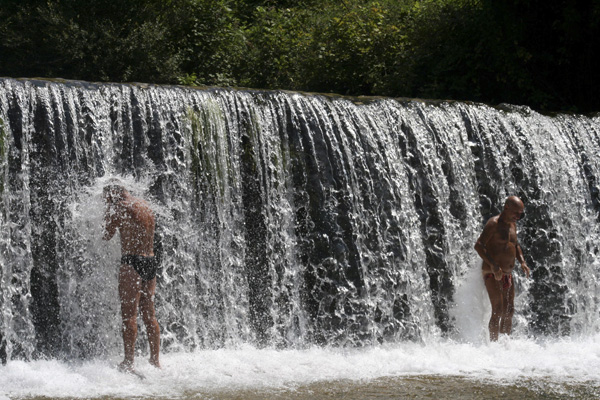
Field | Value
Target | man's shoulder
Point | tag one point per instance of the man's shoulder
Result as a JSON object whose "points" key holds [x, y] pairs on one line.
{"points": [[493, 220], [136, 202], [141, 208], [491, 224]]}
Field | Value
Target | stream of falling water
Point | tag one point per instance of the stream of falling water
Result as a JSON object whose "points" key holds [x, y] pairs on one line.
{"points": [[305, 238]]}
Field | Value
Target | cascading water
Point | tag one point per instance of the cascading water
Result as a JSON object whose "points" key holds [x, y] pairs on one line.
{"points": [[286, 220]]}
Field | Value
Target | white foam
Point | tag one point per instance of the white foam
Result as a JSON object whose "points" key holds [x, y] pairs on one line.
{"points": [[471, 309], [225, 369]]}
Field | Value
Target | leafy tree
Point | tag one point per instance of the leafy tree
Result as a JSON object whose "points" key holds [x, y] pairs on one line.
{"points": [[210, 38], [520, 51], [97, 40]]}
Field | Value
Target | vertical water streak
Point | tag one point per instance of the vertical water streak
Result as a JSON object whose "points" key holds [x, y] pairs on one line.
{"points": [[274, 270], [570, 194], [582, 233], [221, 218], [17, 325], [359, 280]]}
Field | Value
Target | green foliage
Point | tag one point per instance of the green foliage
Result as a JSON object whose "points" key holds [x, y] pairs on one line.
{"points": [[324, 47], [351, 49], [210, 40], [461, 51], [519, 51], [276, 42], [100, 40]]}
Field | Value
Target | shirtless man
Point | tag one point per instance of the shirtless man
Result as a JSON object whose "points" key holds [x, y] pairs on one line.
{"points": [[137, 275], [498, 247]]}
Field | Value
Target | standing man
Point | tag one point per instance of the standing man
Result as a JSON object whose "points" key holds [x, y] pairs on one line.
{"points": [[137, 275], [498, 248]]}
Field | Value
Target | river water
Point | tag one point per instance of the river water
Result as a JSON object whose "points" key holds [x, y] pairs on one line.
{"points": [[516, 369]]}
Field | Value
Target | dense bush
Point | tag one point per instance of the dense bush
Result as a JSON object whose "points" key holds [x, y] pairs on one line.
{"points": [[518, 51], [100, 40]]}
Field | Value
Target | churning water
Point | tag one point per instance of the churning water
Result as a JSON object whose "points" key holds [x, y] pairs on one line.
{"points": [[305, 239]]}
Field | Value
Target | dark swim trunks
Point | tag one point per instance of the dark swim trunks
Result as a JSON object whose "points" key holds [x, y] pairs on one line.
{"points": [[506, 280], [145, 266]]}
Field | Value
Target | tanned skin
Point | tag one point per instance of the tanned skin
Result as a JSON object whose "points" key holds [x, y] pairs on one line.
{"points": [[134, 220], [498, 248]]}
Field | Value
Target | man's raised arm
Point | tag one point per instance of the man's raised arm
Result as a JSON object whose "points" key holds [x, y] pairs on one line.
{"points": [[110, 223]]}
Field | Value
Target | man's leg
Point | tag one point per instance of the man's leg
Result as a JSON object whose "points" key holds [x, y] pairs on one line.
{"points": [[149, 317], [494, 289], [508, 310], [129, 295]]}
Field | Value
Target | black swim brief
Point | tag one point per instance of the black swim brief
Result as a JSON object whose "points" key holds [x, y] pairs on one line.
{"points": [[145, 266]]}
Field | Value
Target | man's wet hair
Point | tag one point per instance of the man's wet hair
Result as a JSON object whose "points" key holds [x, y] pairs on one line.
{"points": [[115, 190]]}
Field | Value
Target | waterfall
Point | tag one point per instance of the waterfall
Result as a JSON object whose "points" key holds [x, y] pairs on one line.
{"points": [[286, 219]]}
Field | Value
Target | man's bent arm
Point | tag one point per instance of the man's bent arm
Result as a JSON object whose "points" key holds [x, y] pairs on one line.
{"points": [[110, 225], [480, 248], [482, 240]]}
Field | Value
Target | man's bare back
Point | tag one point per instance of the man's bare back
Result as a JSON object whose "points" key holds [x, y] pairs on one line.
{"points": [[498, 248], [135, 222]]}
